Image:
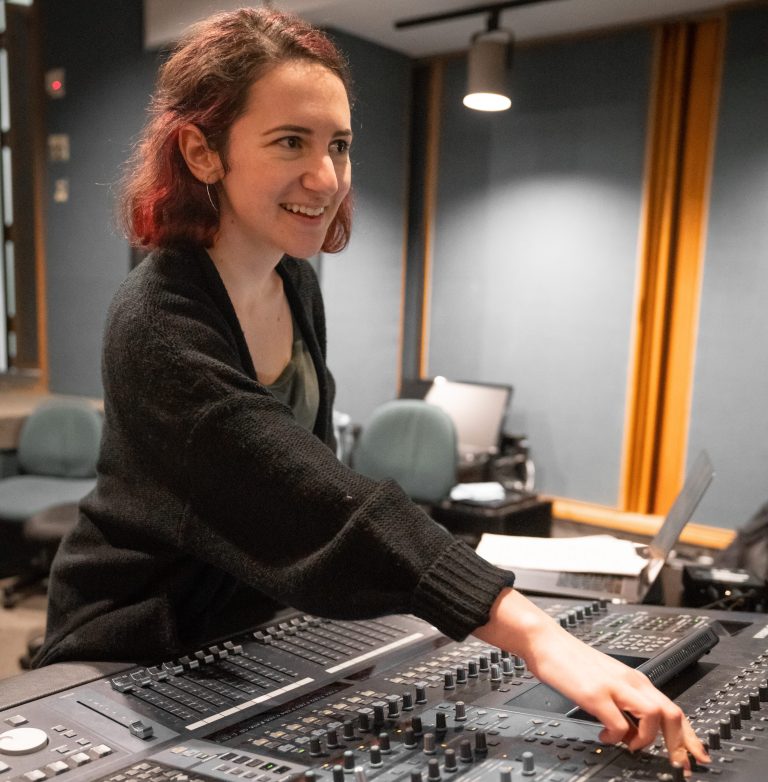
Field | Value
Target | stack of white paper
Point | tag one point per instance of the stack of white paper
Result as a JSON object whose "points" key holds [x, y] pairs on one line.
{"points": [[586, 554]]}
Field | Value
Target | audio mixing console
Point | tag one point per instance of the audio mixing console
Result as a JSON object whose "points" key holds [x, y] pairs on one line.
{"points": [[392, 699]]}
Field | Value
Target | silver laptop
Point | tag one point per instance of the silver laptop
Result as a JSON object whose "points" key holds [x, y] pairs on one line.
{"points": [[632, 589]]}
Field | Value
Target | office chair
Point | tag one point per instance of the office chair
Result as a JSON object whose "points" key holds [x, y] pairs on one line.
{"points": [[57, 453], [412, 442]]}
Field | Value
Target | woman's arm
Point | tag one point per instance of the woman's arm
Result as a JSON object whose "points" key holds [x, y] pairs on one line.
{"points": [[597, 683]]}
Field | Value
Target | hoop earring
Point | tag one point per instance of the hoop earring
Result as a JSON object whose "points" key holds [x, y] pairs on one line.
{"points": [[208, 191]]}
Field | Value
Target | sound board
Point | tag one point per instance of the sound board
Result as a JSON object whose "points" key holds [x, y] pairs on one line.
{"points": [[392, 699]]}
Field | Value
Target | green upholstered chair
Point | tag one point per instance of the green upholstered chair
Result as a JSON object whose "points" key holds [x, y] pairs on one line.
{"points": [[412, 442], [57, 452]]}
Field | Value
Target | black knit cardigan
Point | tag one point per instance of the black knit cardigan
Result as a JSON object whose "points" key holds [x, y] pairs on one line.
{"points": [[212, 504]]}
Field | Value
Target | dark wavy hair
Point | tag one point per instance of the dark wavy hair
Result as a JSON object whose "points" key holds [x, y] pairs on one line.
{"points": [[205, 82]]}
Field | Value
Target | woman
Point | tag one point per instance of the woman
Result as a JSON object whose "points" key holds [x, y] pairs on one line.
{"points": [[218, 494]]}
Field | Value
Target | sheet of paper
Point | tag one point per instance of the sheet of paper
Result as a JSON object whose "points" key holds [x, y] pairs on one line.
{"points": [[586, 554]]}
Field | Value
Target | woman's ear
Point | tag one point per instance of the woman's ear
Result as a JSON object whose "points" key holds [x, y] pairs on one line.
{"points": [[204, 162]]}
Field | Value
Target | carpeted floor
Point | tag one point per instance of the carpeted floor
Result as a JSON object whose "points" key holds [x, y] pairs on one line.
{"points": [[17, 625]]}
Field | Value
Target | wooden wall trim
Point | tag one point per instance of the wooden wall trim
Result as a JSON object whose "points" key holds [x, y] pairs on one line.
{"points": [[656, 240], [434, 113], [638, 523], [705, 70]]}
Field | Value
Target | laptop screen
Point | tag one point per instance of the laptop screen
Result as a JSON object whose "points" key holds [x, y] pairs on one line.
{"points": [[477, 410]]}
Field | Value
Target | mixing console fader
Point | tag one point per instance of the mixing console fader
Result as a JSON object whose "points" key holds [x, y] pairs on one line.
{"points": [[392, 699]]}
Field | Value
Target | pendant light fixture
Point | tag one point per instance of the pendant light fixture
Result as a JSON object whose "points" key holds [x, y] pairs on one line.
{"points": [[488, 68]]}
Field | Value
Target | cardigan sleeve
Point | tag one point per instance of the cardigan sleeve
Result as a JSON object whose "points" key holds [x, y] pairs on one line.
{"points": [[264, 499]]}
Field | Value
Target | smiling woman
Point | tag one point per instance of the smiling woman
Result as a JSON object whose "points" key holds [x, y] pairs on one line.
{"points": [[219, 494]]}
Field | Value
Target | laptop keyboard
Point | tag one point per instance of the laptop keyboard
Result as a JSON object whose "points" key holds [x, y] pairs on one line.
{"points": [[598, 582]]}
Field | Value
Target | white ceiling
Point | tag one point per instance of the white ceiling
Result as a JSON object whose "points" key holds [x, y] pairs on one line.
{"points": [[374, 19]]}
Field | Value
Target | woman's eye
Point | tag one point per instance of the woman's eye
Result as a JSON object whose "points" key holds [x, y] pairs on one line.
{"points": [[291, 142], [341, 146]]}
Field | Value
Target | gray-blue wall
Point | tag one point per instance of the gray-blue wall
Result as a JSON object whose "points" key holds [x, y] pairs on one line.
{"points": [[108, 81], [729, 415], [362, 286], [536, 249]]}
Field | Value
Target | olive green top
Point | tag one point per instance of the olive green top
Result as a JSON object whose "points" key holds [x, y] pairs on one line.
{"points": [[297, 385]]}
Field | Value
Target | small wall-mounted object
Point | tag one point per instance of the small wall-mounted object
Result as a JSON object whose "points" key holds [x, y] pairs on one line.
{"points": [[55, 84], [58, 147], [61, 191]]}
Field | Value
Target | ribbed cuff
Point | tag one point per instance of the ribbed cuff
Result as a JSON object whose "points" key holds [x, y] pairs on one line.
{"points": [[458, 590]]}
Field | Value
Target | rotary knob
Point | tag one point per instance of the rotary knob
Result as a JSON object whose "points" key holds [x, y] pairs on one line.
{"points": [[375, 756], [417, 726], [460, 711], [433, 770], [449, 760], [393, 707], [472, 669], [465, 751], [448, 680], [441, 722], [429, 744], [529, 764], [409, 738], [421, 692], [713, 739], [22, 741], [365, 719], [349, 760], [461, 674], [495, 672], [407, 700], [505, 775], [384, 743]]}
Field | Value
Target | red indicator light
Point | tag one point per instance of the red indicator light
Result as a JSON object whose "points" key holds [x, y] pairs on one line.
{"points": [[56, 85]]}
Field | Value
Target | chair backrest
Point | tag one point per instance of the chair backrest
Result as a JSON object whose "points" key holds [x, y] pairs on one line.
{"points": [[61, 439], [412, 442]]}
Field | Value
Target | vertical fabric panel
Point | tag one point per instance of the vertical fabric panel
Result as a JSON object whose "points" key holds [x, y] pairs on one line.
{"points": [[731, 378], [535, 259]]}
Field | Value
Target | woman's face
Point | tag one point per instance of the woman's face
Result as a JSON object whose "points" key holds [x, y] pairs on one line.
{"points": [[288, 161]]}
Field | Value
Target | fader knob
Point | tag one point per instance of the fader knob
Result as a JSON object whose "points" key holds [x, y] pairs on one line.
{"points": [[713, 739], [449, 760], [460, 711], [375, 756], [433, 770], [505, 775], [465, 751], [421, 692], [529, 764]]}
